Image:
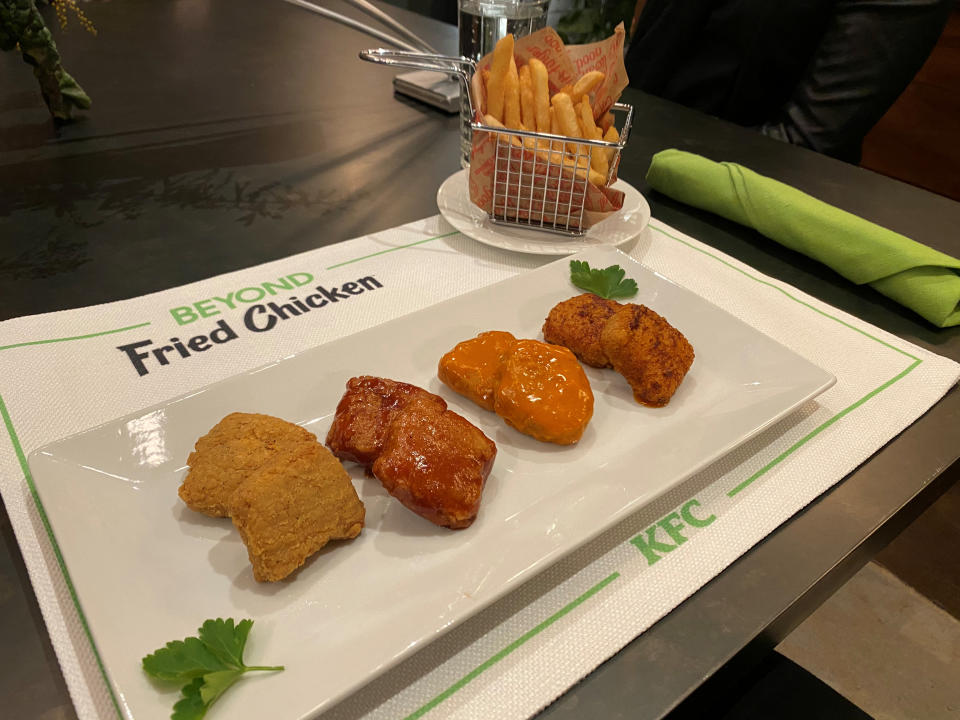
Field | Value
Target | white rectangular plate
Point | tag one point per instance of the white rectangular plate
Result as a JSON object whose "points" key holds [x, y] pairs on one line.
{"points": [[148, 570]]}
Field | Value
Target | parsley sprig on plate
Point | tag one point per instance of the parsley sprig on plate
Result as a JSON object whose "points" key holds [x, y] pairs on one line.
{"points": [[607, 283], [209, 664]]}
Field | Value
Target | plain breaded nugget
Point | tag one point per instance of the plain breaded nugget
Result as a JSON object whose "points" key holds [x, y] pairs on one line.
{"points": [[435, 462], [648, 351], [364, 414], [543, 392], [293, 506], [227, 455], [577, 324], [471, 368]]}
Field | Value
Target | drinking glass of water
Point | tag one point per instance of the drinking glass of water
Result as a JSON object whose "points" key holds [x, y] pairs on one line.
{"points": [[482, 23]]}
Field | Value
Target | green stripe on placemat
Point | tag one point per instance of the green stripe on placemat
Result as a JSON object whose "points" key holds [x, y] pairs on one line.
{"points": [[74, 337], [8, 423], [394, 249], [816, 431], [494, 659]]}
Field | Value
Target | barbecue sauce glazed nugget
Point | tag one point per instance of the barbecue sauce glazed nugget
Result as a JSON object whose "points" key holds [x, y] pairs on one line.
{"points": [[293, 506], [234, 449], [648, 351], [577, 324], [471, 368], [435, 462], [364, 415], [432, 460]]}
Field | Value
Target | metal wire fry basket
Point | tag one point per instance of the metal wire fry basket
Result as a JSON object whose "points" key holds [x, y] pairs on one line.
{"points": [[540, 180]]}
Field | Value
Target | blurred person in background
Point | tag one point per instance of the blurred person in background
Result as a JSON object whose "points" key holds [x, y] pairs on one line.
{"points": [[816, 73]]}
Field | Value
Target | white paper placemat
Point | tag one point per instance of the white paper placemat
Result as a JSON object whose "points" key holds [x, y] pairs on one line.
{"points": [[64, 372]]}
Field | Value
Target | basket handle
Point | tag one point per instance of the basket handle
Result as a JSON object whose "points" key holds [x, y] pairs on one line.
{"points": [[460, 67]]}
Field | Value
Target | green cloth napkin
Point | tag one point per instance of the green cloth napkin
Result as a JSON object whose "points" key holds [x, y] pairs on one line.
{"points": [[914, 275]]}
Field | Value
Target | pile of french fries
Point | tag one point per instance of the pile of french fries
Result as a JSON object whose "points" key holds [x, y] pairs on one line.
{"points": [[519, 99]]}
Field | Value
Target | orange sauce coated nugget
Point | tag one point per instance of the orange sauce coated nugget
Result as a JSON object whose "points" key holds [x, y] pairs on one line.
{"points": [[435, 462], [364, 414], [648, 351], [471, 367], [234, 449], [292, 507], [543, 392], [577, 324]]}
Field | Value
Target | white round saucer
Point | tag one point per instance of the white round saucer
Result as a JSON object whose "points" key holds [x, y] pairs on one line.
{"points": [[453, 201]]}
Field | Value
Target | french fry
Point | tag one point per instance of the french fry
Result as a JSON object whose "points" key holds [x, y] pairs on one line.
{"points": [[477, 91], [499, 67], [511, 98], [611, 135], [528, 113], [587, 83], [554, 129], [558, 159], [541, 94], [598, 156], [566, 119], [606, 122], [586, 118]]}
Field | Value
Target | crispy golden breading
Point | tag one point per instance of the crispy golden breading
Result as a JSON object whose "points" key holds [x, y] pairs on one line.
{"points": [[293, 506], [471, 367], [648, 351], [436, 463], [577, 323], [227, 455], [543, 392], [364, 414]]}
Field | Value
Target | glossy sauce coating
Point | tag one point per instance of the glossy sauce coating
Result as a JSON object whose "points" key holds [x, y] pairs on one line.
{"points": [[436, 463], [543, 392], [471, 368]]}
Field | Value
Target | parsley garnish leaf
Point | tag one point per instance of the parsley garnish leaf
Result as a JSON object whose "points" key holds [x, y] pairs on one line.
{"points": [[216, 683], [225, 639], [182, 660], [210, 663], [190, 706], [607, 283]]}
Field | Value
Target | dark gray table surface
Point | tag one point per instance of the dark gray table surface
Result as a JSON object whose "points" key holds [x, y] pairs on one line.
{"points": [[226, 133]]}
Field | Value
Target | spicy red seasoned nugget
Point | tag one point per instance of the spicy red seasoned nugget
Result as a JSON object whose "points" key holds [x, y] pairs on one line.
{"points": [[291, 507], [577, 324], [648, 351], [641, 345], [235, 448]]}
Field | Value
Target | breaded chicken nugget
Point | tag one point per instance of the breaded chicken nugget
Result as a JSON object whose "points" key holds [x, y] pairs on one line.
{"points": [[364, 414], [577, 323], [648, 351], [435, 462], [292, 507], [471, 368], [227, 455], [543, 392]]}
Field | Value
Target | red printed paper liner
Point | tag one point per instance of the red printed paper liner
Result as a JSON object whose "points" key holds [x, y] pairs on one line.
{"points": [[565, 64]]}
